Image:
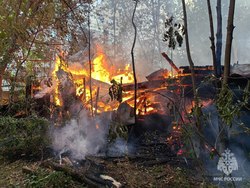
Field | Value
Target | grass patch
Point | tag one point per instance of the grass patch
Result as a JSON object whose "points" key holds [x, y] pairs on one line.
{"points": [[46, 178]]}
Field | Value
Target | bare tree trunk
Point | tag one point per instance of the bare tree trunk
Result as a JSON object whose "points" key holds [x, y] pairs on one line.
{"points": [[89, 51], [191, 63], [210, 14], [139, 40], [90, 65], [218, 39], [230, 28], [218, 70], [133, 61], [197, 109]]}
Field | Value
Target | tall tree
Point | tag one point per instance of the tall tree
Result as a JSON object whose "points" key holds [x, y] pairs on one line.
{"points": [[191, 63], [30, 27], [18, 25], [218, 39], [230, 28], [210, 14], [133, 61]]}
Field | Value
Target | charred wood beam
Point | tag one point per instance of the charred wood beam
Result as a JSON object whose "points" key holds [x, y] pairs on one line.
{"points": [[145, 85], [170, 61]]}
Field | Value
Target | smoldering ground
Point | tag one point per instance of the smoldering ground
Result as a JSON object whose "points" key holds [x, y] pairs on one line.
{"points": [[81, 137], [87, 136]]}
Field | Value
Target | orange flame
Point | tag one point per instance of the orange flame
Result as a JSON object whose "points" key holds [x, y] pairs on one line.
{"points": [[104, 72], [58, 64], [99, 72]]}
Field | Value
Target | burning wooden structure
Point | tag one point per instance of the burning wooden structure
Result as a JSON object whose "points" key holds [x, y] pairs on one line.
{"points": [[68, 90], [110, 83]]}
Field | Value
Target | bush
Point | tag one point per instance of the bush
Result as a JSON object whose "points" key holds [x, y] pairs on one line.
{"points": [[23, 137]]}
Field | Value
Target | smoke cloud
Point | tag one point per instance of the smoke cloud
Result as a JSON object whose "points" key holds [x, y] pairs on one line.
{"points": [[81, 137]]}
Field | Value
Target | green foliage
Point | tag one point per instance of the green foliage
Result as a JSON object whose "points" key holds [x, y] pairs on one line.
{"points": [[45, 178], [24, 136], [174, 33], [28, 28], [17, 108], [228, 108], [246, 95]]}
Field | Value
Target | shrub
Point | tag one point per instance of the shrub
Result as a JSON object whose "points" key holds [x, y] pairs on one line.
{"points": [[23, 137]]}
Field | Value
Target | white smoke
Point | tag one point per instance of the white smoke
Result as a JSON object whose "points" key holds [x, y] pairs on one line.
{"points": [[118, 147], [85, 136]]}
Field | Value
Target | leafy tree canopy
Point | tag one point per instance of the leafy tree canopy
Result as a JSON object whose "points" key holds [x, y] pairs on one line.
{"points": [[35, 29]]}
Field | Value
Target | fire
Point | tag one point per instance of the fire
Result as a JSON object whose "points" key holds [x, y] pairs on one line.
{"points": [[99, 72], [126, 76], [78, 72], [58, 65], [171, 74], [102, 73]]}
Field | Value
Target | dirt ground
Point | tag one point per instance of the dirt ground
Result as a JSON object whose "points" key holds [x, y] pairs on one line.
{"points": [[128, 173], [11, 174]]}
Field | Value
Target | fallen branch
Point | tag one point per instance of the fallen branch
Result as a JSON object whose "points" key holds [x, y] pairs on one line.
{"points": [[80, 176]]}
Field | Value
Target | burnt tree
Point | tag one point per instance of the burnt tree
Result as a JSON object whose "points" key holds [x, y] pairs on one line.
{"points": [[218, 39], [210, 14], [230, 28], [191, 63]]}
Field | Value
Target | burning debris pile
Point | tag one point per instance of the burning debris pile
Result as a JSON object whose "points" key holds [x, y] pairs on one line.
{"points": [[76, 95], [107, 94], [93, 114], [108, 87], [74, 80]]}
